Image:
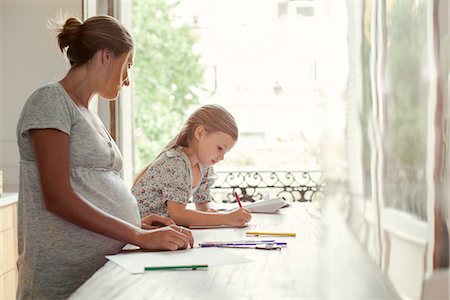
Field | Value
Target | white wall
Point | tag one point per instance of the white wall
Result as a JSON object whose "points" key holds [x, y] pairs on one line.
{"points": [[29, 58]]}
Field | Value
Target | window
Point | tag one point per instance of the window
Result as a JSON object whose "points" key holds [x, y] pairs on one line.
{"points": [[269, 72]]}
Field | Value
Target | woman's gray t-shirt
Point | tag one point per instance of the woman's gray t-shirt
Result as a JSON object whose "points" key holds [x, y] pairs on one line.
{"points": [[56, 256]]}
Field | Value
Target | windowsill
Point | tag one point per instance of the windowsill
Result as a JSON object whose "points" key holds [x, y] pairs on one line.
{"points": [[8, 199]]}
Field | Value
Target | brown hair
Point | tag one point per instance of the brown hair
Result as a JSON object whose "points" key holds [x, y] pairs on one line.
{"points": [[81, 40], [213, 117]]}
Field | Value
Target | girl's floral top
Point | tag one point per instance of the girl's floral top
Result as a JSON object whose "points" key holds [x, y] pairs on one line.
{"points": [[169, 178]]}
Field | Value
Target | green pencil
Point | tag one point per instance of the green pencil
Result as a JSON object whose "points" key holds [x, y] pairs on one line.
{"points": [[193, 267]]}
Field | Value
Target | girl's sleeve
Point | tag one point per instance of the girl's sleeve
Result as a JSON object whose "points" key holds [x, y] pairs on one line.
{"points": [[46, 108], [173, 180], [203, 193], [142, 191]]}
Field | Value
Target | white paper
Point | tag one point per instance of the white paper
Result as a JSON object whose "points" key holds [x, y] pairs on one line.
{"points": [[136, 262], [266, 205], [202, 236], [194, 227]]}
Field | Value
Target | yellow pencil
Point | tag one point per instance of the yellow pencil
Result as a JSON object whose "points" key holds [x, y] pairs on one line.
{"points": [[271, 233]]}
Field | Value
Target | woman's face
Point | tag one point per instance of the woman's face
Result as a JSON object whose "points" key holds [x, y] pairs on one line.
{"points": [[117, 75]]}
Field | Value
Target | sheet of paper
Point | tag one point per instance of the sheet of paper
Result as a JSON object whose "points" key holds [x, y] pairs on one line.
{"points": [[201, 235], [266, 205], [135, 263], [214, 226]]}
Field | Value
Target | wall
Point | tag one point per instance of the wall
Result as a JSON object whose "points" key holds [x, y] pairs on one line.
{"points": [[29, 59]]}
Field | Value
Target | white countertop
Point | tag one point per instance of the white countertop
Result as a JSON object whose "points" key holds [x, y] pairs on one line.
{"points": [[272, 274], [8, 198], [299, 271]]}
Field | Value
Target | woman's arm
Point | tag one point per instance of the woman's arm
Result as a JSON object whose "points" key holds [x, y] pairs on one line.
{"points": [[52, 154], [188, 217]]}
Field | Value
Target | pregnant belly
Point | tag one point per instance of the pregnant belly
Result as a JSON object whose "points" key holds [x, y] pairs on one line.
{"points": [[107, 191]]}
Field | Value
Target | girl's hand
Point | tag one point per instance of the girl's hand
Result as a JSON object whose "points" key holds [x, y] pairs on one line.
{"points": [[239, 217], [153, 221], [170, 237]]}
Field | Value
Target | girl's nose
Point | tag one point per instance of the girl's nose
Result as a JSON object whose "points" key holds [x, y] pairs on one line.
{"points": [[126, 82]]}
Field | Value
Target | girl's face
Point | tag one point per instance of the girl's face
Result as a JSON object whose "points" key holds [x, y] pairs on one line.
{"points": [[117, 75], [212, 147]]}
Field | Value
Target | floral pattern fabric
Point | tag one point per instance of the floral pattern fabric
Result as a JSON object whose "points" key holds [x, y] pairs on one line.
{"points": [[169, 178]]}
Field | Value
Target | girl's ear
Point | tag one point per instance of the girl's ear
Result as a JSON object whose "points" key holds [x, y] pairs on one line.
{"points": [[199, 132]]}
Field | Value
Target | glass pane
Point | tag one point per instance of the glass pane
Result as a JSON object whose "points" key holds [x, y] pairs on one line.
{"points": [[261, 60], [367, 103], [405, 99], [167, 76]]}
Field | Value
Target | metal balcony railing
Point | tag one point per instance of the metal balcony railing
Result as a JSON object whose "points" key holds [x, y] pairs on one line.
{"points": [[253, 185]]}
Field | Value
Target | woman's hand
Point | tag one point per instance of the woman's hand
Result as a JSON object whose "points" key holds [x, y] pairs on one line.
{"points": [[153, 221], [171, 237], [239, 217]]}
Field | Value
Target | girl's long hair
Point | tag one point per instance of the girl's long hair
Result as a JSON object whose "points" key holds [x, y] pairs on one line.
{"points": [[212, 116]]}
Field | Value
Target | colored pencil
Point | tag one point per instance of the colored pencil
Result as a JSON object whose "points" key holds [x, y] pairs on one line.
{"points": [[271, 233], [193, 267], [238, 200]]}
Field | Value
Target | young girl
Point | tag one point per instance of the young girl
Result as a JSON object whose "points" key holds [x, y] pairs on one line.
{"points": [[184, 170]]}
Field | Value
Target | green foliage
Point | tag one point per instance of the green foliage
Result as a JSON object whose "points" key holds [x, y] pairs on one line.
{"points": [[407, 99], [167, 76]]}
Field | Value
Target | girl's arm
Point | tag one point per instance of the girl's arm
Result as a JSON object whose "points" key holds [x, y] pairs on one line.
{"points": [[204, 192], [205, 206], [187, 217], [52, 154]]}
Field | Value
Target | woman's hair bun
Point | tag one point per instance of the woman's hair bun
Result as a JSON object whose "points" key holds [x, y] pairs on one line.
{"points": [[69, 32]]}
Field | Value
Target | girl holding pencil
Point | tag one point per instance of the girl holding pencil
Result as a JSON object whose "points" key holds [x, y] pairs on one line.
{"points": [[183, 170]]}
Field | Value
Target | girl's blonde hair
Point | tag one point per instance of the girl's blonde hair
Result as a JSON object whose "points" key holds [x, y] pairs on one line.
{"points": [[81, 40], [212, 117]]}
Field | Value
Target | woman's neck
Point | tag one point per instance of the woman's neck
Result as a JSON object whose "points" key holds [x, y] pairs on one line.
{"points": [[78, 86]]}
